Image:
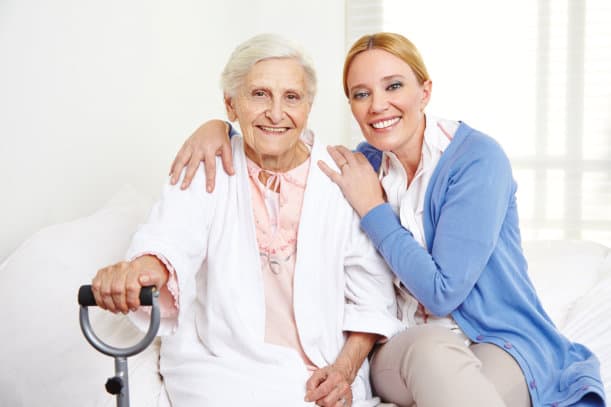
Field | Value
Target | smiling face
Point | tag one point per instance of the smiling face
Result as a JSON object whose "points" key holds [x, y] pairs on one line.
{"points": [[387, 101], [272, 107]]}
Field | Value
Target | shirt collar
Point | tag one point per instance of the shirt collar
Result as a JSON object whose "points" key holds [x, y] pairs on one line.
{"points": [[437, 136]]}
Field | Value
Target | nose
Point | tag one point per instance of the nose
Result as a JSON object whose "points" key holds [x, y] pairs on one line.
{"points": [[275, 111], [379, 102]]}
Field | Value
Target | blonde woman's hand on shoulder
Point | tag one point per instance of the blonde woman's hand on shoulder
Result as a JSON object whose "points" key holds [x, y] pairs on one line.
{"points": [[356, 178]]}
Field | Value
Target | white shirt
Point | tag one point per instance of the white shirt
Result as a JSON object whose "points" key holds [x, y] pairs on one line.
{"points": [[408, 202]]}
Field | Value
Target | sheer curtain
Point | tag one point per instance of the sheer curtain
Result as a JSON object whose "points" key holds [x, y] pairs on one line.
{"points": [[536, 76]]}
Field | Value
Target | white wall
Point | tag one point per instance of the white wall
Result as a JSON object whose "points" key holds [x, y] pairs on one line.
{"points": [[97, 94]]}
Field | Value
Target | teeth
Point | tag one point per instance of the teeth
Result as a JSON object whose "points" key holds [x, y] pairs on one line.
{"points": [[273, 129], [384, 123]]}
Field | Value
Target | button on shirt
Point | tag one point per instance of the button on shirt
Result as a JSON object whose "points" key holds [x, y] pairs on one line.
{"points": [[406, 197]]}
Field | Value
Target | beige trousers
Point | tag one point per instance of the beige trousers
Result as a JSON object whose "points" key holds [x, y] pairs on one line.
{"points": [[430, 366]]}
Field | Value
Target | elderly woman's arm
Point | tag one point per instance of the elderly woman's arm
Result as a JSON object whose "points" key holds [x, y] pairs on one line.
{"points": [[166, 246], [208, 141], [369, 317], [330, 385]]}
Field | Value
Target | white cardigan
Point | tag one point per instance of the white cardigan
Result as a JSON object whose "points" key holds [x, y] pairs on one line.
{"points": [[217, 354]]}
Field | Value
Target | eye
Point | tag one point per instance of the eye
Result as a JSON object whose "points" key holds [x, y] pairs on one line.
{"points": [[360, 94], [293, 97], [395, 86], [258, 93]]}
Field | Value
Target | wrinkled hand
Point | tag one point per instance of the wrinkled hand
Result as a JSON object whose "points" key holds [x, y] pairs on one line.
{"points": [[357, 179], [116, 288], [330, 387], [208, 141]]}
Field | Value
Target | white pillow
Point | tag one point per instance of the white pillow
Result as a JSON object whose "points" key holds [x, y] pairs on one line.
{"points": [[589, 322], [562, 271], [45, 358]]}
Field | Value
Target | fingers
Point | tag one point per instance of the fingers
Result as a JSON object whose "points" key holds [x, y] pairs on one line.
{"points": [[208, 141], [346, 396], [361, 159], [345, 400], [345, 153], [314, 381], [339, 395], [182, 158], [327, 387], [192, 167], [209, 159], [339, 155], [333, 175], [210, 166], [132, 291], [190, 158], [96, 287], [327, 391], [117, 288], [108, 288], [152, 276], [227, 158]]}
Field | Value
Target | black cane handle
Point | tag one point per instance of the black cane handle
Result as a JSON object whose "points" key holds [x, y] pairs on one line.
{"points": [[86, 298]]}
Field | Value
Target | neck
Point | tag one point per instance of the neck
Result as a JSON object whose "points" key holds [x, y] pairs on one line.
{"points": [[410, 153], [279, 163], [272, 165]]}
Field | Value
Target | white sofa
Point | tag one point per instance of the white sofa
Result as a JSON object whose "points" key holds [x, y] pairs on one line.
{"points": [[46, 361]]}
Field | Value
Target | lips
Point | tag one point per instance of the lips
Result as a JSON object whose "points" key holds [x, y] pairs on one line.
{"points": [[274, 130], [383, 124]]}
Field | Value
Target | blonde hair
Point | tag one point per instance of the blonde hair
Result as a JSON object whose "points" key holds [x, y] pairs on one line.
{"points": [[259, 48], [393, 43]]}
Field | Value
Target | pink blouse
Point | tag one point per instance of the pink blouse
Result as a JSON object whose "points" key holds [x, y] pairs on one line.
{"points": [[277, 223]]}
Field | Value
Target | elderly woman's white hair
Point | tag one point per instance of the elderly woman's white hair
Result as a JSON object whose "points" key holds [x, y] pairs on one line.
{"points": [[259, 48]]}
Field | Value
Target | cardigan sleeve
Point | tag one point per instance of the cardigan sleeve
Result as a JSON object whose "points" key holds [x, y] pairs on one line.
{"points": [[467, 210]]}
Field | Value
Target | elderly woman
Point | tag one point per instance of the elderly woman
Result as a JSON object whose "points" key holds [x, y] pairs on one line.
{"points": [[269, 278]]}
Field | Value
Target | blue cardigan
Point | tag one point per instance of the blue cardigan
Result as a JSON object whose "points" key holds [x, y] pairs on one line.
{"points": [[475, 270]]}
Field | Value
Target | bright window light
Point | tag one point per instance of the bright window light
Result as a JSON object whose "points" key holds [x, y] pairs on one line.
{"points": [[536, 76]]}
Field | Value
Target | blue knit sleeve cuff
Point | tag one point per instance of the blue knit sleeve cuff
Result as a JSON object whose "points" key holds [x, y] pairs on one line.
{"points": [[373, 155], [232, 132], [380, 222]]}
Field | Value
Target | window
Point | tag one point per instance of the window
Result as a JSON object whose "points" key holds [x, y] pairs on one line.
{"points": [[536, 76]]}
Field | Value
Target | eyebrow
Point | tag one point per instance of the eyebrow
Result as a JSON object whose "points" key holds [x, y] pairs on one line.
{"points": [[269, 90]]}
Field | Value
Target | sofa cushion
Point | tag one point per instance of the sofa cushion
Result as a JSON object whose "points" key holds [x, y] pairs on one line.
{"points": [[563, 271], [46, 360], [589, 322]]}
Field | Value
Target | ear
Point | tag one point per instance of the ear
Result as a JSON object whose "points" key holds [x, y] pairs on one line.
{"points": [[231, 113], [427, 88]]}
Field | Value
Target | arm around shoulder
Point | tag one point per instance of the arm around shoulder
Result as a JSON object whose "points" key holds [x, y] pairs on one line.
{"points": [[208, 141]]}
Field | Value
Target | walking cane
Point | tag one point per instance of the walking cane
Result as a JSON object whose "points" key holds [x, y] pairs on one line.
{"points": [[119, 383]]}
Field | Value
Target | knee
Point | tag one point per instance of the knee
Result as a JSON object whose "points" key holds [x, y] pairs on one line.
{"points": [[424, 353]]}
